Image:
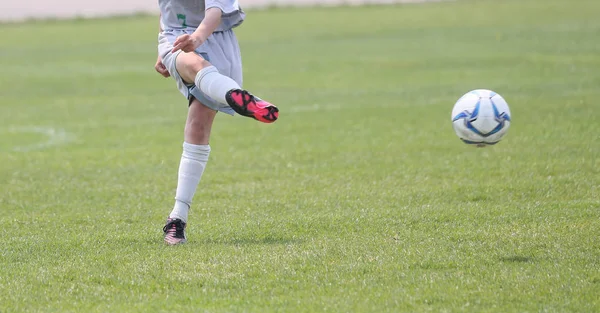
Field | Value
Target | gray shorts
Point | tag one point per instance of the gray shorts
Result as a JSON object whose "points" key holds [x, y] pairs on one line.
{"points": [[221, 49]]}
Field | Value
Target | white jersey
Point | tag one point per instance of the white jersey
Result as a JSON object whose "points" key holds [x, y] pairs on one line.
{"points": [[182, 14]]}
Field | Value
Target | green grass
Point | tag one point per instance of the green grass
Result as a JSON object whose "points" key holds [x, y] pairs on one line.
{"points": [[360, 199]]}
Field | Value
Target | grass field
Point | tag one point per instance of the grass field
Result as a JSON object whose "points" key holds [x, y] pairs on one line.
{"points": [[359, 199]]}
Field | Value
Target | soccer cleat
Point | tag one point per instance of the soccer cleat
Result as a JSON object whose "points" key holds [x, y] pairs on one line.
{"points": [[245, 104], [174, 231]]}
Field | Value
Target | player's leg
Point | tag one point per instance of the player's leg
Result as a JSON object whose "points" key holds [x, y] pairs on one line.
{"points": [[194, 69], [196, 150]]}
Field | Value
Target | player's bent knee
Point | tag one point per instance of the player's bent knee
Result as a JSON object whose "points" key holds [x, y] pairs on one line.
{"points": [[197, 65], [200, 63], [192, 61], [189, 64]]}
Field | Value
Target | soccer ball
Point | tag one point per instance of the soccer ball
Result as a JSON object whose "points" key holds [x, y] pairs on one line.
{"points": [[481, 117]]}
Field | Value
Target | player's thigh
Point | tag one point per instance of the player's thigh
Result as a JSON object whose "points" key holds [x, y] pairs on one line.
{"points": [[199, 123], [188, 64]]}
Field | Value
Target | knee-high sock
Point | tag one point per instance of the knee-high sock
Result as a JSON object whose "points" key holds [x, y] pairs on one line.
{"points": [[193, 162], [214, 84]]}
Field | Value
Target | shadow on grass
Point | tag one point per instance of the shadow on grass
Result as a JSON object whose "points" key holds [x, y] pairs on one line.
{"points": [[252, 241], [516, 259], [145, 242]]}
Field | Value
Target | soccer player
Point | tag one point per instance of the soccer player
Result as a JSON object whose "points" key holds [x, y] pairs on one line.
{"points": [[198, 48]]}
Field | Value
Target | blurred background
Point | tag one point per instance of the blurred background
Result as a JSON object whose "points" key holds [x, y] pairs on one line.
{"points": [[35, 9]]}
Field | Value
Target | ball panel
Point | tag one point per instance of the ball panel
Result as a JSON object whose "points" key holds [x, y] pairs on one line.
{"points": [[482, 118], [465, 103], [501, 105]]}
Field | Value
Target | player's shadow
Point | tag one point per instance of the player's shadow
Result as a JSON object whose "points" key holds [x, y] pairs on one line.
{"points": [[516, 259], [252, 241]]}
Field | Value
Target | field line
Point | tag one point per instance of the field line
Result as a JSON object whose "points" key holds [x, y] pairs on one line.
{"points": [[54, 137]]}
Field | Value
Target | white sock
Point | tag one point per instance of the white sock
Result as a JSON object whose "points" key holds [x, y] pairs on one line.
{"points": [[193, 162], [214, 84]]}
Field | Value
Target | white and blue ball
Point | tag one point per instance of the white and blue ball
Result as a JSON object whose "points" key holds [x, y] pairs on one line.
{"points": [[481, 117]]}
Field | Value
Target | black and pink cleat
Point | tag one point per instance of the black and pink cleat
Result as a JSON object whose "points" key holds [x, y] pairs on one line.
{"points": [[245, 104]]}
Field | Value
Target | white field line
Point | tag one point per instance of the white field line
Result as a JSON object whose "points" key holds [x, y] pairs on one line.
{"points": [[54, 137]]}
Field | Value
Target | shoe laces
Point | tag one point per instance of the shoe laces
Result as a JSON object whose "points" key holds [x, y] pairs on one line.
{"points": [[177, 224]]}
